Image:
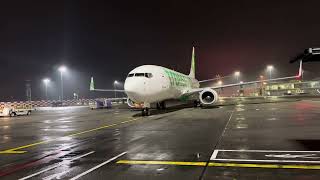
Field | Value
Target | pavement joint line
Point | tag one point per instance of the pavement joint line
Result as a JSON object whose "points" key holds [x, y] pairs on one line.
{"points": [[216, 164], [216, 145], [16, 149]]}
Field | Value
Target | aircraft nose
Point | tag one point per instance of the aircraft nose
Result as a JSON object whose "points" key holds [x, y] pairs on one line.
{"points": [[134, 89]]}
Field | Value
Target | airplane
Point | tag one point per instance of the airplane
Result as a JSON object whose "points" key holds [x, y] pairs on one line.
{"points": [[149, 84]]}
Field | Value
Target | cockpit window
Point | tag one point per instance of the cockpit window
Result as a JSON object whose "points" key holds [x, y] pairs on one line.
{"points": [[130, 75], [148, 75], [139, 74]]}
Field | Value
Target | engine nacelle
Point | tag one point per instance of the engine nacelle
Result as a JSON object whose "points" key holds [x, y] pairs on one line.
{"points": [[130, 103], [208, 96]]}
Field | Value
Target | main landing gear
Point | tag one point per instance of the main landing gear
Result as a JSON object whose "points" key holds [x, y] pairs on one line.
{"points": [[161, 105], [197, 104]]}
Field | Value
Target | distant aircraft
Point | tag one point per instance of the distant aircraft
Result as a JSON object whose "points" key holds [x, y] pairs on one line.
{"points": [[149, 84]]}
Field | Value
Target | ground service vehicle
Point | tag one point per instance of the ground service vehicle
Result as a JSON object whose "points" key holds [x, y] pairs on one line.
{"points": [[15, 110]]}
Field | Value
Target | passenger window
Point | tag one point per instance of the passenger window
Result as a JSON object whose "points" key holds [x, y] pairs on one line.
{"points": [[130, 75]]}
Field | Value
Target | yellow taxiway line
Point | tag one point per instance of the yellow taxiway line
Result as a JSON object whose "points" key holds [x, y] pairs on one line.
{"points": [[17, 150], [214, 164]]}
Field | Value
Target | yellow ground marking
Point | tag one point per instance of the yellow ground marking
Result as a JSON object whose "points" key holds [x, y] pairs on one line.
{"points": [[91, 130], [17, 149], [214, 164], [178, 163], [12, 152]]}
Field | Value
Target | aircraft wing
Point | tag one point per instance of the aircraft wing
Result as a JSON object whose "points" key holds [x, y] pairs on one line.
{"points": [[105, 90], [189, 92]]}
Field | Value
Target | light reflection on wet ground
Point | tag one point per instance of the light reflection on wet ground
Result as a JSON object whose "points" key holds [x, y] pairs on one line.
{"points": [[182, 135]]}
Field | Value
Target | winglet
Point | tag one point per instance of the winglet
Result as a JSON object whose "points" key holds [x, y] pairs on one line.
{"points": [[193, 66], [300, 69], [92, 84]]}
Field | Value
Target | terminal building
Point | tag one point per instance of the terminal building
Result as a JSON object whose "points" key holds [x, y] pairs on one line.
{"points": [[295, 87], [311, 88]]}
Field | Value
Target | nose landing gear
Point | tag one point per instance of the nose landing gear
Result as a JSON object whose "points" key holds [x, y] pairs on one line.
{"points": [[146, 109], [145, 112]]}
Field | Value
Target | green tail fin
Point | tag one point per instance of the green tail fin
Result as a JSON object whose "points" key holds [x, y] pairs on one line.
{"points": [[92, 84], [193, 65]]}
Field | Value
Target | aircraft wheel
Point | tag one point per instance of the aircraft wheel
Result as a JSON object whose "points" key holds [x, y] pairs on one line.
{"points": [[12, 114], [158, 105], [195, 104], [163, 105], [147, 112], [142, 112]]}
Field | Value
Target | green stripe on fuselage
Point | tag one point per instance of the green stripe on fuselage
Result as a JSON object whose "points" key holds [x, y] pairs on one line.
{"points": [[178, 79]]}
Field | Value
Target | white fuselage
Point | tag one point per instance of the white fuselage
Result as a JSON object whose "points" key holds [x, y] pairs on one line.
{"points": [[150, 83]]}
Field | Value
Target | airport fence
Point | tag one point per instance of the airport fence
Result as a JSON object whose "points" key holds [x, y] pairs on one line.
{"points": [[52, 103]]}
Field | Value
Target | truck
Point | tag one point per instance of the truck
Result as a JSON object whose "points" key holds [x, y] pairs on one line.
{"points": [[15, 110]]}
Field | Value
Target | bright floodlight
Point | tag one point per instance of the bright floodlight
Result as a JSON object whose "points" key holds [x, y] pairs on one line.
{"points": [[241, 82], [115, 82], [220, 82], [46, 81], [270, 67], [237, 73], [62, 69]]}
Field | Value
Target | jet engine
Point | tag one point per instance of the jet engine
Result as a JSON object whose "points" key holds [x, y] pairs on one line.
{"points": [[130, 103], [208, 96]]}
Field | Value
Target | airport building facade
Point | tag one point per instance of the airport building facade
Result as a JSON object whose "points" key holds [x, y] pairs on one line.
{"points": [[293, 88]]}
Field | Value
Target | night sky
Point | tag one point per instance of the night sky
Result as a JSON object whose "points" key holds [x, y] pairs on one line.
{"points": [[107, 39]]}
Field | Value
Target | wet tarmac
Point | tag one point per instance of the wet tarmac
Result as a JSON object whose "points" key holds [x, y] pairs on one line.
{"points": [[275, 140]]}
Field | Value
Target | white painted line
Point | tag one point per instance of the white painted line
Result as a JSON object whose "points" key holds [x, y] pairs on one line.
{"points": [[98, 166], [239, 150], [214, 154], [266, 160], [55, 166]]}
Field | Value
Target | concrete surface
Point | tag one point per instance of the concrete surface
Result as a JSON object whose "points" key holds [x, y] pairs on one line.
{"points": [[237, 140]]}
